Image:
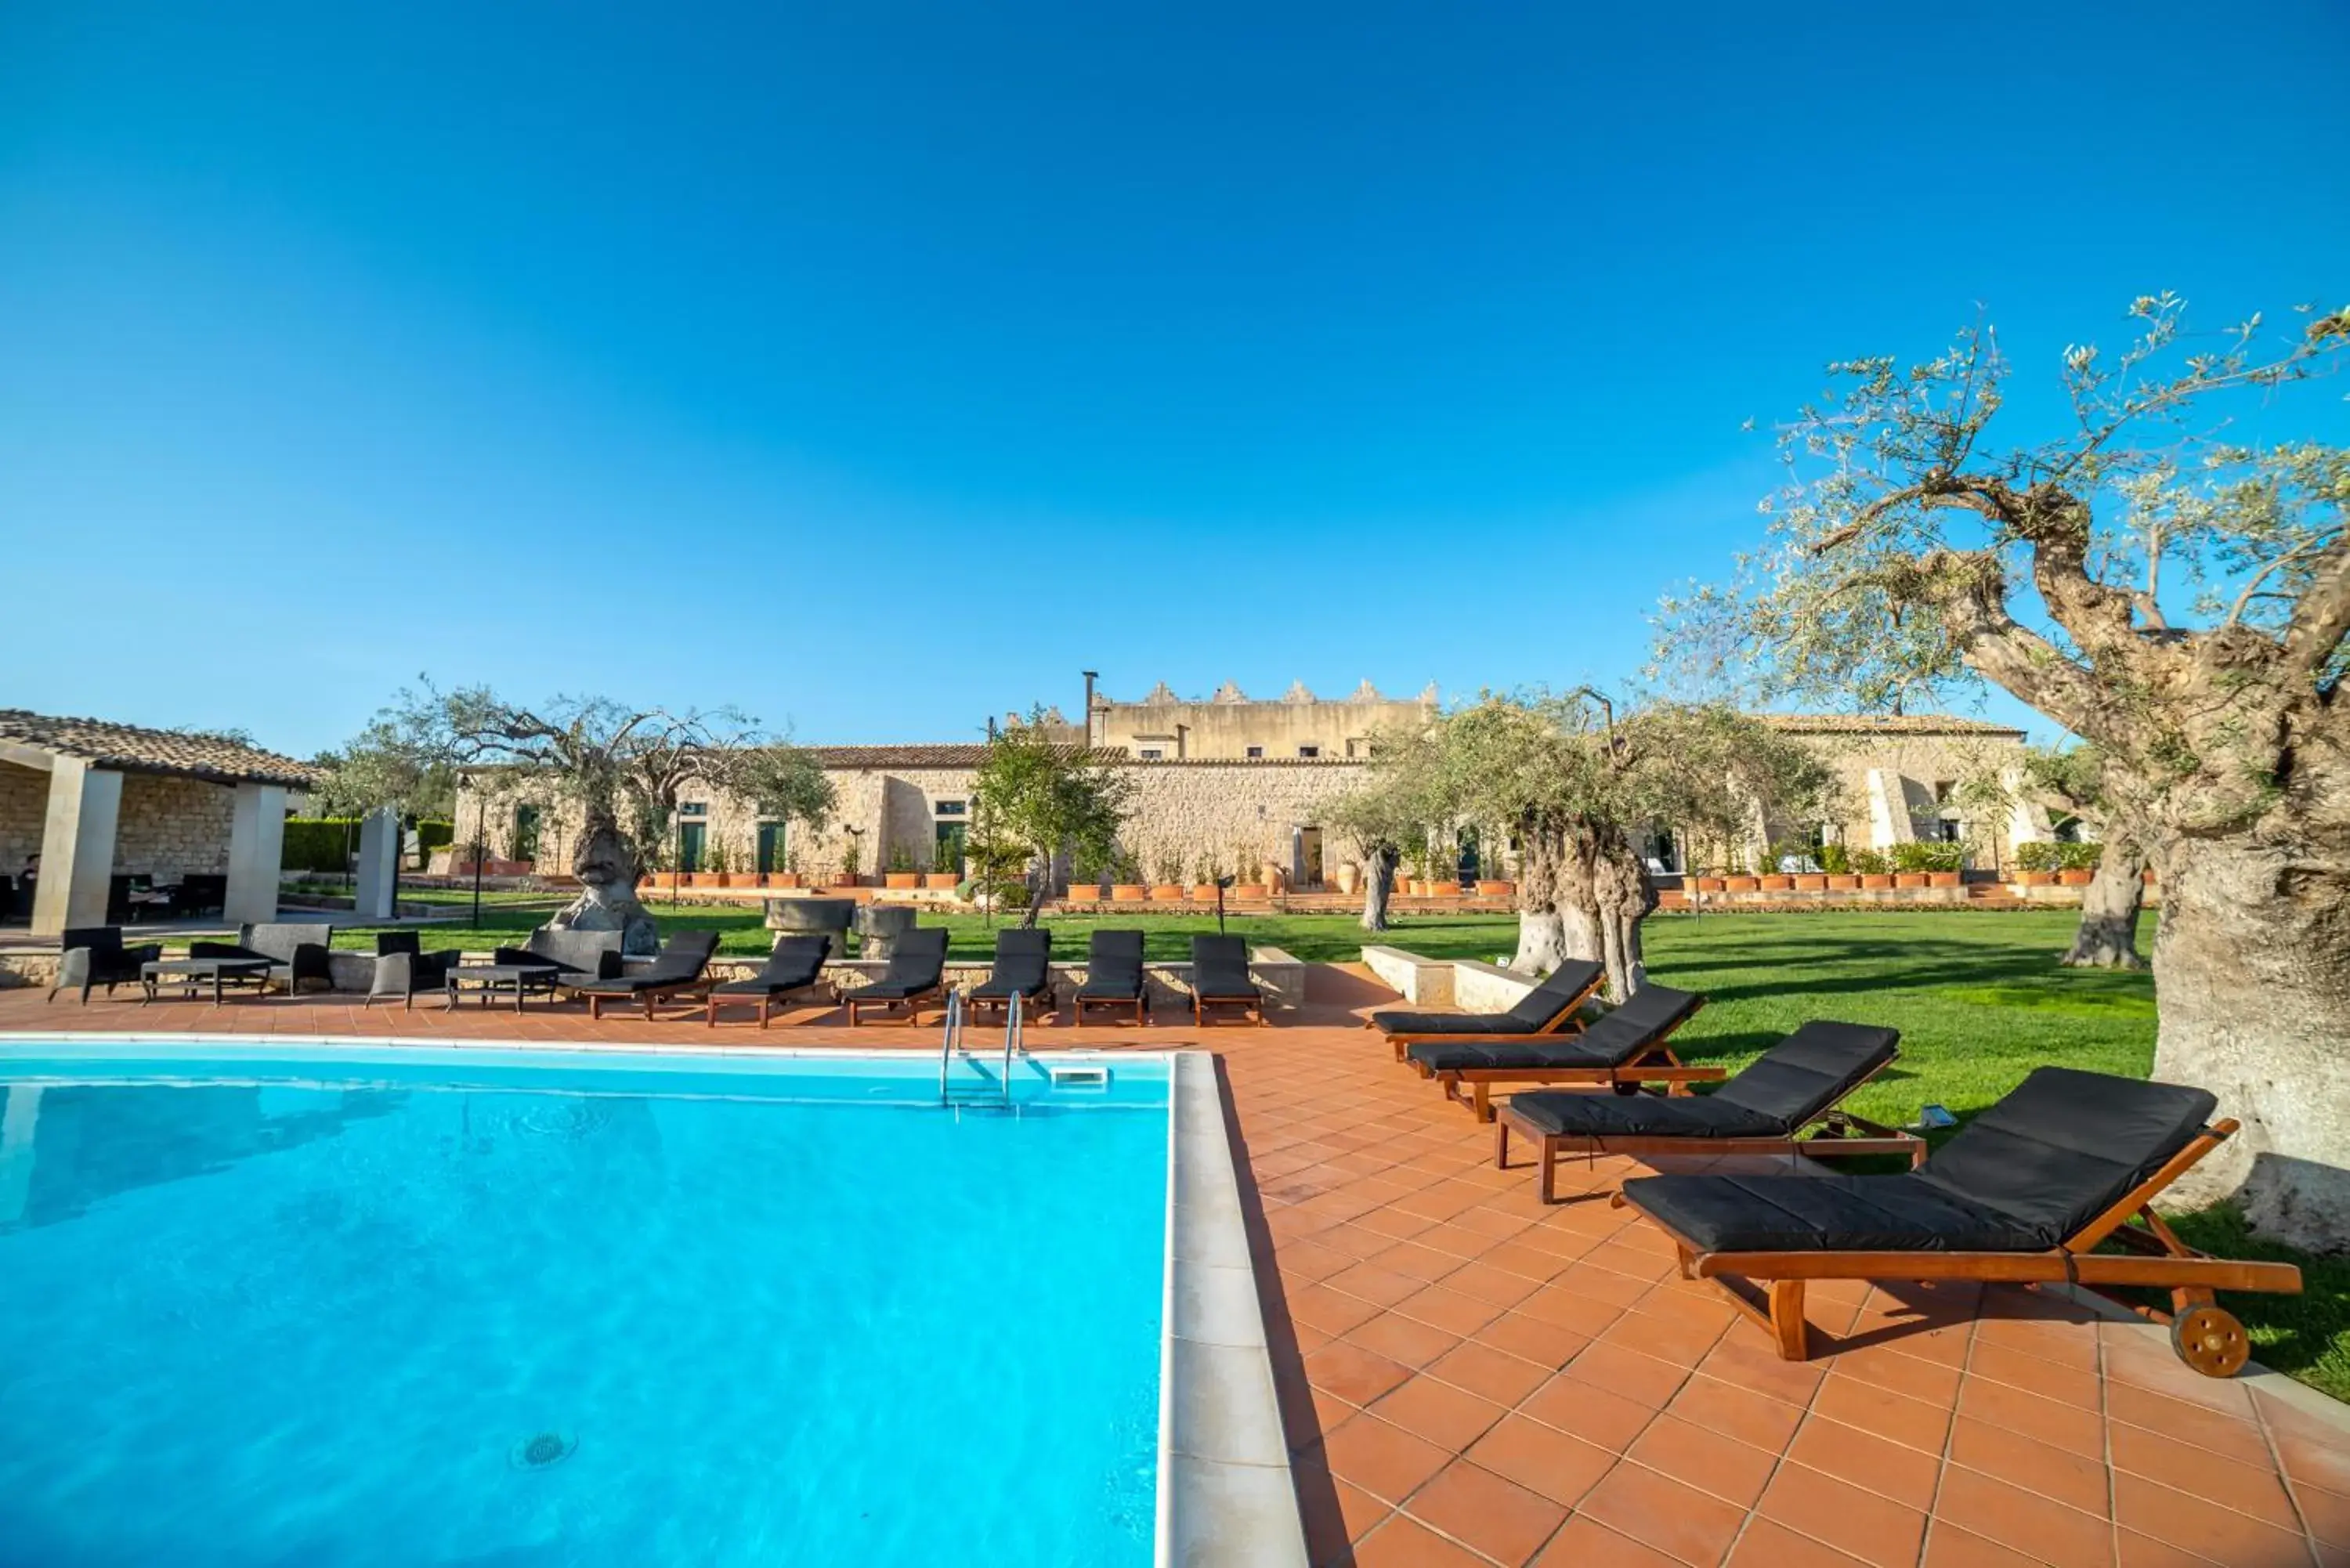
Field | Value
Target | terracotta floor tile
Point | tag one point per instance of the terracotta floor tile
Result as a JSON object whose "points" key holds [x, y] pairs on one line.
{"points": [[1595, 1415], [1664, 1513], [1887, 1467], [1385, 1460], [1332, 1312], [2206, 1529], [2223, 1435], [1681, 1340], [1895, 1417], [2132, 1549], [1336, 1515], [1544, 1343], [1353, 1373], [2315, 1450], [1541, 1459], [1767, 1544], [1743, 1358], [2326, 1513], [2023, 1520], [1381, 1287], [1947, 1546], [1642, 1378], [1605, 1286], [2137, 1363], [1448, 1417], [2052, 1472], [1587, 1543], [1498, 1517], [1420, 1263], [1889, 1369], [1405, 1542], [1447, 1310], [1484, 1370], [2252, 1489], [1554, 1304], [1859, 1524], [2035, 1375], [1402, 1339], [2060, 1425], [1756, 1419], [1721, 1465]]}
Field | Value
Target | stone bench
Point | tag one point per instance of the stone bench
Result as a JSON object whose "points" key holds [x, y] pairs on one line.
{"points": [[1424, 982]]}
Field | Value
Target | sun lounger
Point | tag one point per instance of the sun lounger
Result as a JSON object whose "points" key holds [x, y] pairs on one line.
{"points": [[1220, 976], [677, 967], [1548, 1009], [1022, 968], [1794, 1088], [1114, 975], [917, 963], [1621, 1051], [2027, 1192], [795, 965]]}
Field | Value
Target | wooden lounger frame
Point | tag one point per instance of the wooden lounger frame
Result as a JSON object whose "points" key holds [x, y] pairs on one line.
{"points": [[766, 1000], [1568, 1021], [1655, 1063], [1035, 1007], [935, 992], [1140, 1002], [1839, 1134], [1767, 1288], [1252, 1006], [647, 995]]}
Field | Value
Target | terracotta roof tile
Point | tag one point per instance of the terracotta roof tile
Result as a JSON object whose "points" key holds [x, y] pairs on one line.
{"points": [[131, 749], [1887, 724]]}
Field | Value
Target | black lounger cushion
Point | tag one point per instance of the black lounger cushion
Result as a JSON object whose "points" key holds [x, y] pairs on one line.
{"points": [[2023, 1176], [917, 961], [1792, 1083], [1622, 1036], [1023, 966], [1220, 970], [795, 962], [1565, 986], [681, 962], [1113, 965]]}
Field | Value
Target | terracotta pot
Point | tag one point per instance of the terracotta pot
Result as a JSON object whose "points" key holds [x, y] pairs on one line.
{"points": [[1942, 878], [1444, 889], [1909, 879], [1810, 881], [1166, 893], [942, 881], [844, 879], [1248, 890], [1129, 893], [739, 879], [1707, 884], [1876, 880], [1841, 881], [1777, 882], [1489, 889], [783, 879], [1204, 892], [1350, 876], [1271, 872], [901, 878], [2077, 878], [1742, 884], [2036, 878]]}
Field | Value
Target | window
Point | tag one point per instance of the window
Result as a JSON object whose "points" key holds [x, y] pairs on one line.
{"points": [[693, 808], [1256, 751], [951, 808], [525, 833], [1151, 754], [1943, 790], [1309, 750]]}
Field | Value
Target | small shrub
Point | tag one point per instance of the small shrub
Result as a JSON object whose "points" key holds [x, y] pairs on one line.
{"points": [[1928, 856], [902, 858], [1835, 860], [1869, 862]]}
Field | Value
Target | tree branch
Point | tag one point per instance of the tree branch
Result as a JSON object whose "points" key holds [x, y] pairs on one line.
{"points": [[2322, 619]]}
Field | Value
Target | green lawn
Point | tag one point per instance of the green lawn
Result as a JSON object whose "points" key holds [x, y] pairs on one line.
{"points": [[1978, 998]]}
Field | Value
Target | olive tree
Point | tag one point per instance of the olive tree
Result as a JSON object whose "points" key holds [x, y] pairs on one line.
{"points": [[2165, 589], [1050, 798], [2106, 937], [1384, 817]]}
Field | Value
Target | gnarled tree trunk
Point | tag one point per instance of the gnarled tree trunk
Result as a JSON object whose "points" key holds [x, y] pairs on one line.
{"points": [[606, 866], [1378, 885], [1583, 895], [2251, 970], [1544, 941], [2107, 935]]}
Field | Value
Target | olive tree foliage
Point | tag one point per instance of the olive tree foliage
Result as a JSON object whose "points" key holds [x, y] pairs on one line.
{"points": [[378, 769], [1052, 799], [1578, 787], [1388, 815], [2106, 937], [2167, 588]]}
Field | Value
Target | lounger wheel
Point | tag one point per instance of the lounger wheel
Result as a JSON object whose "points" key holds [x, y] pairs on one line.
{"points": [[2210, 1340]]}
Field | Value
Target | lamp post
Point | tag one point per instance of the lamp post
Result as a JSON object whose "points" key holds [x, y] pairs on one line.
{"points": [[481, 849]]}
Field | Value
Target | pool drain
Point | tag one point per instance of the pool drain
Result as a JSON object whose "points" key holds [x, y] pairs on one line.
{"points": [[541, 1450]]}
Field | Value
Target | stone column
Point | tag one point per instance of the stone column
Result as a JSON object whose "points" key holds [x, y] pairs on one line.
{"points": [[77, 846], [379, 867], [256, 847], [2027, 819], [1888, 810]]}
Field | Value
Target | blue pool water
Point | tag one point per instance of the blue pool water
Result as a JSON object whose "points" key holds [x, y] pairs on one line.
{"points": [[262, 1308]]}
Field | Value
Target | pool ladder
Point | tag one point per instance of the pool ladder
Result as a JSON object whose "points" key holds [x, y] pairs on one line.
{"points": [[950, 1045]]}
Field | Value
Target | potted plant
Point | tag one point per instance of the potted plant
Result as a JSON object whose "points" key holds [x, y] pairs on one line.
{"points": [[739, 874], [851, 859], [789, 877], [943, 877], [712, 873], [1350, 876], [1909, 863], [1126, 883], [1834, 871], [1946, 867], [2036, 865], [901, 872], [2078, 864], [1737, 879], [1873, 868], [1706, 879], [1168, 888]]}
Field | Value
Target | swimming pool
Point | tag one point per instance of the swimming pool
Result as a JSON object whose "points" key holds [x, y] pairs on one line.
{"points": [[346, 1306]]}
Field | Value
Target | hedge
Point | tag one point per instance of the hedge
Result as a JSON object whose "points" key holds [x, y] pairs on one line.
{"points": [[320, 844]]}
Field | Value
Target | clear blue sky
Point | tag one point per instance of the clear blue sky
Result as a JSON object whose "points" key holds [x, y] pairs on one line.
{"points": [[873, 367]]}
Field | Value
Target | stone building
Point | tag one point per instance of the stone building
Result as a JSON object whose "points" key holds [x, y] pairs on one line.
{"points": [[1230, 785], [96, 801]]}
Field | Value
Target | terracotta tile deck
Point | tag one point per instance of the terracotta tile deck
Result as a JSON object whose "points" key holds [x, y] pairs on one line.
{"points": [[1468, 1378]]}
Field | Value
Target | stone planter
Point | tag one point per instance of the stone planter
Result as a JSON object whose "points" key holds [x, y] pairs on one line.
{"points": [[1742, 884], [1875, 880], [1942, 878], [1494, 889], [1841, 881], [1166, 893], [1444, 889], [2075, 877], [1909, 879], [942, 881], [1777, 882], [1810, 881], [901, 878], [1129, 893]]}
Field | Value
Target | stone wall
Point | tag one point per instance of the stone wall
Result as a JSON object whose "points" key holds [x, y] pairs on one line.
{"points": [[171, 827], [1225, 726], [23, 814]]}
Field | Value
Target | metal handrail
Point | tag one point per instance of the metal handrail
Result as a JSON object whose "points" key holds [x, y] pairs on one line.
{"points": [[1011, 1037], [949, 1035]]}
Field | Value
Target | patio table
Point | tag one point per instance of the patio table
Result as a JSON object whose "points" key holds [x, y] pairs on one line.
{"points": [[192, 974], [487, 981]]}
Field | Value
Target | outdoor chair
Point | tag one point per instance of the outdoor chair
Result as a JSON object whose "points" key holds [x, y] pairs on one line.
{"points": [[1023, 969], [1792, 1088], [1622, 1050], [1220, 975], [678, 966], [579, 956], [117, 900], [94, 955], [196, 895], [2028, 1192], [795, 965], [917, 963], [1548, 1009], [403, 968], [1114, 975], [296, 951]]}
